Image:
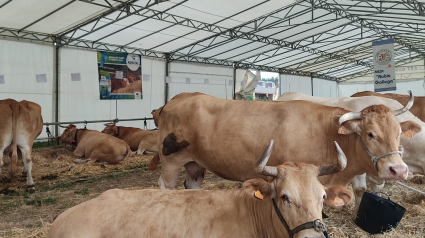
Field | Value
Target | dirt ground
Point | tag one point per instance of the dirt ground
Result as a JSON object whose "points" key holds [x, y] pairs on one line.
{"points": [[61, 184]]}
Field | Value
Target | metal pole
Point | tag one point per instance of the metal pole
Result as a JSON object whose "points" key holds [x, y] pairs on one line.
{"points": [[234, 82], [167, 64], [312, 85], [57, 44]]}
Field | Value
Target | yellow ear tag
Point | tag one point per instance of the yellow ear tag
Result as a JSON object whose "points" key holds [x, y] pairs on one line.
{"points": [[258, 195], [338, 202]]}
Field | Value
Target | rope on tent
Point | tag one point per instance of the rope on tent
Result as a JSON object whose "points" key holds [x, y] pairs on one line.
{"points": [[408, 187]]}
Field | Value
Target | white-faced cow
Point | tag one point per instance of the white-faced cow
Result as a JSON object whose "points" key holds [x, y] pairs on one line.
{"points": [[20, 123], [289, 205], [223, 136], [414, 149], [95, 146], [139, 140]]}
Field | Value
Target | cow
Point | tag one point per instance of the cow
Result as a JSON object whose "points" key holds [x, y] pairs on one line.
{"points": [[413, 145], [139, 140], [417, 109], [95, 146], [118, 83], [289, 205], [20, 123], [218, 135]]}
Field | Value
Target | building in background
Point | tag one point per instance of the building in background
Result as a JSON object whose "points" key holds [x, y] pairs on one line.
{"points": [[265, 90]]}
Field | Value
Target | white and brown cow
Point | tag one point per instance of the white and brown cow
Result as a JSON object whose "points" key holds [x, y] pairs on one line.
{"points": [[294, 192], [95, 146], [139, 140], [20, 123], [223, 136]]}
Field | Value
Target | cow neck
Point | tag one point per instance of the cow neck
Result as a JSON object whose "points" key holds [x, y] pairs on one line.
{"points": [[74, 141]]}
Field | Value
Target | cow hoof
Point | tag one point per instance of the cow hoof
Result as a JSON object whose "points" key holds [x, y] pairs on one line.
{"points": [[31, 188], [185, 186]]}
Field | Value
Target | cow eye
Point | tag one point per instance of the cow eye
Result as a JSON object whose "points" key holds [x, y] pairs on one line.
{"points": [[285, 197], [370, 135]]}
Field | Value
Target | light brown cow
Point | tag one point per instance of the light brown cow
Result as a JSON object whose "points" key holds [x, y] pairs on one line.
{"points": [[139, 140], [294, 192], [223, 136], [20, 124], [95, 146], [417, 108]]}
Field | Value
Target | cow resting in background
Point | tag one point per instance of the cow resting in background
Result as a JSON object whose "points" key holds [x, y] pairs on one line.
{"points": [[203, 132], [418, 109], [139, 140], [95, 146], [20, 123], [414, 149], [294, 192]]}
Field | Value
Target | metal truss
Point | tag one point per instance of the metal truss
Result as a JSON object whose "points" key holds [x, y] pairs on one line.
{"points": [[340, 11], [26, 35]]}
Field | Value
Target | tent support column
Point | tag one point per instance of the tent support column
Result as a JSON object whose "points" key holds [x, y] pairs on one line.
{"points": [[234, 82], [311, 85], [167, 65], [57, 47]]}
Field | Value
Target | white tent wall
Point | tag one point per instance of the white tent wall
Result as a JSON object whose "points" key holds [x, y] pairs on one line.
{"points": [[294, 83], [219, 79], [79, 100], [346, 89], [19, 64], [325, 88]]}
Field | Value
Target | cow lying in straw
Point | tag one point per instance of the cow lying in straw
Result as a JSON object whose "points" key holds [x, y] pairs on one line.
{"points": [[294, 193], [95, 146], [139, 140]]}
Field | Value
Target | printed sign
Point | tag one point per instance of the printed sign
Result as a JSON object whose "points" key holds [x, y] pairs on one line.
{"points": [[1, 79], [146, 78], [120, 75], [168, 80], [41, 78], [76, 77], [206, 81], [384, 65], [231, 82], [187, 80]]}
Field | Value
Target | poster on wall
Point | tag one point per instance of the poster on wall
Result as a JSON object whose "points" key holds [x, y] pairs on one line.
{"points": [[384, 65], [120, 75]]}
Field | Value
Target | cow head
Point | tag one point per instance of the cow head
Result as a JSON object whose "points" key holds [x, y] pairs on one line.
{"points": [[297, 192], [379, 131], [110, 129], [68, 134]]}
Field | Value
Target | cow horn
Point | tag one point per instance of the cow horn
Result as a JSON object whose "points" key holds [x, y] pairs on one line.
{"points": [[260, 165], [349, 116], [407, 107], [62, 126], [334, 168]]}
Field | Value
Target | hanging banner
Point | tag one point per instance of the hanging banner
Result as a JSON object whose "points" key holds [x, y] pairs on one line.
{"points": [[120, 75], [384, 65]]}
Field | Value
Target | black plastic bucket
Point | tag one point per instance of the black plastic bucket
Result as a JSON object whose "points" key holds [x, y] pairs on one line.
{"points": [[377, 215]]}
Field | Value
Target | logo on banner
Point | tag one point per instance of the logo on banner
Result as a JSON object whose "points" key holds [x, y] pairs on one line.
{"points": [[133, 62], [383, 57]]}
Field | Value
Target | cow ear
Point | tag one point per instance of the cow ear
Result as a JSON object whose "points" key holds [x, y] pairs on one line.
{"points": [[349, 127], [337, 196], [258, 188], [410, 128]]}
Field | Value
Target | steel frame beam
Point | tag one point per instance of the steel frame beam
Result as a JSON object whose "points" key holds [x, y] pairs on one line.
{"points": [[26, 35]]}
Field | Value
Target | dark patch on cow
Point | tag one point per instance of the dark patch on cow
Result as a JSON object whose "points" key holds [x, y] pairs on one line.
{"points": [[171, 146]]}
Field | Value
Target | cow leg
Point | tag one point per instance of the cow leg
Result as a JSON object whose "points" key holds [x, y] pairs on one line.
{"points": [[195, 175], [359, 187], [26, 157], [1, 159]]}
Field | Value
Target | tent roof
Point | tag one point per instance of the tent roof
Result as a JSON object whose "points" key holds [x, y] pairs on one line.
{"points": [[320, 38]]}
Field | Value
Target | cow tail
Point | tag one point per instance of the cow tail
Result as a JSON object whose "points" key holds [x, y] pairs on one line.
{"points": [[153, 165], [15, 116]]}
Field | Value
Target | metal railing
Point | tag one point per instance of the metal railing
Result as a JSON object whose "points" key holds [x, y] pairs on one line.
{"points": [[115, 121]]}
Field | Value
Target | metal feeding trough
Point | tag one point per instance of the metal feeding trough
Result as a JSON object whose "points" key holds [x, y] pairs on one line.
{"points": [[377, 215]]}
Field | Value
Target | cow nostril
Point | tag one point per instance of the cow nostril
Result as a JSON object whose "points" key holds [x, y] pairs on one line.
{"points": [[392, 171]]}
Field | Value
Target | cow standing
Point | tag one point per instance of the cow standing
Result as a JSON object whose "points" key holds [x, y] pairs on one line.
{"points": [[294, 193], [20, 123], [95, 146], [417, 109], [139, 140], [413, 145], [223, 136]]}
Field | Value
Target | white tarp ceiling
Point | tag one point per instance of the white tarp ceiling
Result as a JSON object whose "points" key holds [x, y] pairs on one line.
{"points": [[321, 37]]}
